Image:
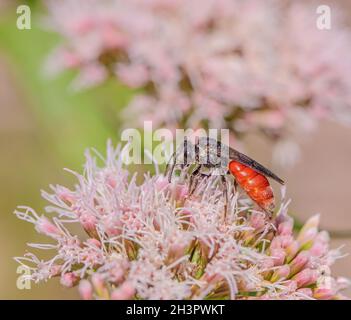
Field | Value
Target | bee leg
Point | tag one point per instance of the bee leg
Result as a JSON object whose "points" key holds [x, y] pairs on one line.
{"points": [[235, 186], [170, 167], [226, 196], [172, 163], [194, 179]]}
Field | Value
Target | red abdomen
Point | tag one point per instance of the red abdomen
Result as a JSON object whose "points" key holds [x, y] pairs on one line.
{"points": [[255, 185]]}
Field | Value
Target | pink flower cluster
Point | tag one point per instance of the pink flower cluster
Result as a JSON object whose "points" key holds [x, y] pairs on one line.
{"points": [[150, 240], [250, 66]]}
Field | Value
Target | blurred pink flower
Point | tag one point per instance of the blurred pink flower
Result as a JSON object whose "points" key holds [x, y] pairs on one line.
{"points": [[153, 241], [260, 66]]}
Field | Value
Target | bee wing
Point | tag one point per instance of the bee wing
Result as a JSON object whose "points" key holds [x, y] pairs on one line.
{"points": [[247, 161]]}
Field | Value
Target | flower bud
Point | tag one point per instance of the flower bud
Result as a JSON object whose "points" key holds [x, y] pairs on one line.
{"points": [[281, 242], [69, 279], [267, 263], [320, 244], [323, 293], [112, 38], [111, 181], [308, 231], [306, 241], [113, 225], [99, 286], [45, 226], [285, 228], [117, 275], [85, 289], [306, 277], [125, 292], [299, 262], [278, 256], [292, 250], [281, 273], [286, 240], [93, 242], [55, 270], [276, 243], [88, 221], [66, 195], [70, 59]]}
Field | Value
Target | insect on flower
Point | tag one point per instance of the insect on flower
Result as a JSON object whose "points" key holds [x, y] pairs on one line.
{"points": [[211, 157]]}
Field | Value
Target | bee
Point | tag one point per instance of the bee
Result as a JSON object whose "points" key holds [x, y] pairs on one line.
{"points": [[209, 157]]}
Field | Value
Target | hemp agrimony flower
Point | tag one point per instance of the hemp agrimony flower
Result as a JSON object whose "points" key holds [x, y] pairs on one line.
{"points": [[151, 240]]}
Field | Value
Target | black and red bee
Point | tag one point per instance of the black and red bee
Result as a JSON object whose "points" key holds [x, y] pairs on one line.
{"points": [[211, 157]]}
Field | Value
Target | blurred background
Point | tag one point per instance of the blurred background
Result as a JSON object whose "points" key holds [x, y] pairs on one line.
{"points": [[44, 127]]}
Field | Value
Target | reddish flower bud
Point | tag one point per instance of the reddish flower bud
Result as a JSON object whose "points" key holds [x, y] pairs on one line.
{"points": [[299, 262], [85, 289], [69, 279]]}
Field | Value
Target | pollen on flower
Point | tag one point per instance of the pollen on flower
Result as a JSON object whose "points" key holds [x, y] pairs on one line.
{"points": [[153, 241]]}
